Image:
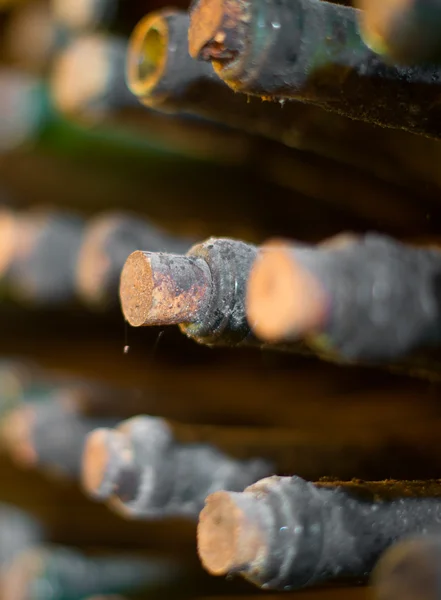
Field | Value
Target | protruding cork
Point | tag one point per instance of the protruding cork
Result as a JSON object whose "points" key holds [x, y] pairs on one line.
{"points": [[114, 460], [283, 300], [228, 539], [281, 50], [148, 474], [147, 55], [163, 289], [409, 570], [216, 28], [285, 533], [406, 31], [107, 464]]}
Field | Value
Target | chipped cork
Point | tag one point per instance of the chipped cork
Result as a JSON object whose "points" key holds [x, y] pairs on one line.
{"points": [[206, 20], [284, 301], [163, 289]]}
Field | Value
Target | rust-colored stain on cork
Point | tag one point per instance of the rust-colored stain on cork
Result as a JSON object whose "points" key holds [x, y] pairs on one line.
{"points": [[163, 289]]}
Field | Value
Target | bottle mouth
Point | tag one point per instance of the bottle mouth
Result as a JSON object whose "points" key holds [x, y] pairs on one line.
{"points": [[147, 54]]}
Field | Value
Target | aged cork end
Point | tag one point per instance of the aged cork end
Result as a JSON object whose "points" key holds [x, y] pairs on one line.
{"points": [[284, 301], [227, 540], [93, 263], [104, 458], [158, 288], [136, 287], [81, 74]]}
